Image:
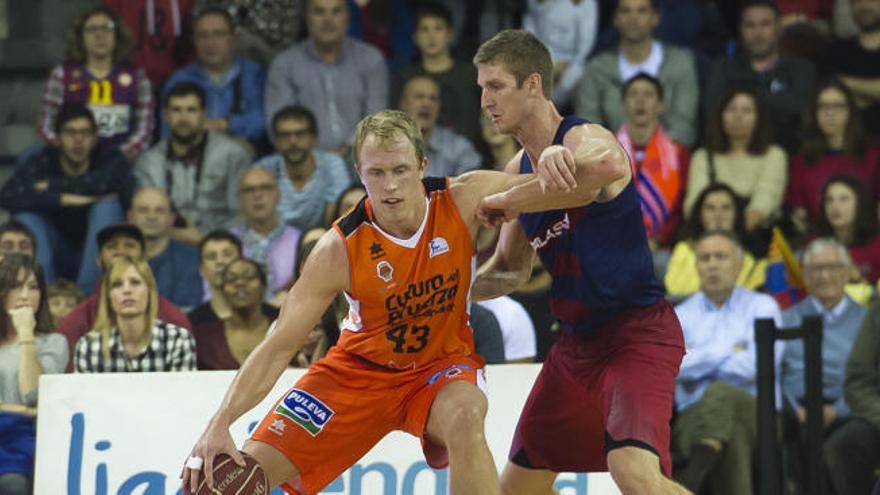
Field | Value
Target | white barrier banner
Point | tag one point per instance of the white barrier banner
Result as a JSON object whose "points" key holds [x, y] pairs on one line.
{"points": [[129, 434]]}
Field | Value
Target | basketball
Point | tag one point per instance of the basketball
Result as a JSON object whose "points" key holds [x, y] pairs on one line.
{"points": [[232, 479]]}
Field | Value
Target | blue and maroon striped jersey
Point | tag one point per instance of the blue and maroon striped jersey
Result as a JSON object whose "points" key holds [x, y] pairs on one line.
{"points": [[597, 254]]}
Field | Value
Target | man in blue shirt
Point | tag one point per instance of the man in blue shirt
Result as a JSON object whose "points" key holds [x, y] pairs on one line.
{"points": [[175, 264], [716, 426], [233, 87], [448, 152], [310, 180], [826, 267]]}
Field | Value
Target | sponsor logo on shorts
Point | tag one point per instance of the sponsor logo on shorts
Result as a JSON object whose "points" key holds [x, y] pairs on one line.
{"points": [[305, 410], [277, 427], [448, 372], [438, 245]]}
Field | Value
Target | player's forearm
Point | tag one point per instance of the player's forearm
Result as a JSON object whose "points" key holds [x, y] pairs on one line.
{"points": [[495, 280], [598, 162], [492, 285], [531, 197], [253, 382]]}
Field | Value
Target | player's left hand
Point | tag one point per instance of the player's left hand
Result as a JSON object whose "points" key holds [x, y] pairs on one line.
{"points": [[556, 168], [493, 210]]}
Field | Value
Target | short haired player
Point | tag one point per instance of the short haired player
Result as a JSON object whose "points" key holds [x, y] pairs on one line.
{"points": [[403, 257], [606, 388]]}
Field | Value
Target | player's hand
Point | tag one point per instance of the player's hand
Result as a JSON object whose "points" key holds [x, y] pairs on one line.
{"points": [[556, 169], [214, 441], [493, 210]]}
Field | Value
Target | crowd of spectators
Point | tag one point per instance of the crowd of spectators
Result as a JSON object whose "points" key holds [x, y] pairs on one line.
{"points": [[195, 150]]}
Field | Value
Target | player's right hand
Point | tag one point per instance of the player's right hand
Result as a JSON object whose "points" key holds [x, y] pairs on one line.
{"points": [[214, 441], [556, 168], [493, 211]]}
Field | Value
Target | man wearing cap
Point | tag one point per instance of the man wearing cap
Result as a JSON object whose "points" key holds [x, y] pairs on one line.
{"points": [[113, 241]]}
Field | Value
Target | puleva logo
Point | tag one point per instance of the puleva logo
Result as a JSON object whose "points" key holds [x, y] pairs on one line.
{"points": [[305, 410], [438, 245]]}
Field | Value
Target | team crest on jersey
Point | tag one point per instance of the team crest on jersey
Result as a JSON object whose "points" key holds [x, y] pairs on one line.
{"points": [[125, 79], [385, 271], [306, 410], [438, 245]]}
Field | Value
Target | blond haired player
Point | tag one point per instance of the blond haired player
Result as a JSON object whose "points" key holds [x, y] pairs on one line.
{"points": [[405, 361]]}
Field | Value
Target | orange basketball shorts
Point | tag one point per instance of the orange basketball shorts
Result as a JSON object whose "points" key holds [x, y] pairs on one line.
{"points": [[344, 405]]}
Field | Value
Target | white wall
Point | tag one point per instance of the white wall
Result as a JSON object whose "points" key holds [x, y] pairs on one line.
{"points": [[120, 434]]}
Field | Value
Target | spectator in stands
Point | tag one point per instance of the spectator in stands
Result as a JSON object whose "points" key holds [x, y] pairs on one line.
{"points": [[488, 337], [819, 12], [264, 28], [739, 152], [28, 349], [98, 73], [568, 28], [849, 215], [852, 452], [175, 265], [834, 144], [66, 194], [161, 32], [310, 180], [517, 329], [217, 249], [659, 162], [433, 36], [857, 62], [198, 169], [114, 241], [717, 208], [716, 425], [783, 82], [225, 344], [129, 335], [233, 86], [448, 152], [387, 25], [63, 296], [341, 80], [264, 237], [497, 148], [15, 237], [325, 334], [598, 96], [347, 200], [826, 266]]}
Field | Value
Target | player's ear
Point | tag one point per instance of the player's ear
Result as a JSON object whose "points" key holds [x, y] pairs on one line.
{"points": [[534, 83], [423, 167]]}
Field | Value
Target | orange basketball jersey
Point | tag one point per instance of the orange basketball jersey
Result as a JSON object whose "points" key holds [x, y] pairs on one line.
{"points": [[408, 299]]}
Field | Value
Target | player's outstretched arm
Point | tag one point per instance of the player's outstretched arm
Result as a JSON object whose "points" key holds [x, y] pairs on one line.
{"points": [[509, 267], [511, 264], [581, 170], [324, 275]]}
